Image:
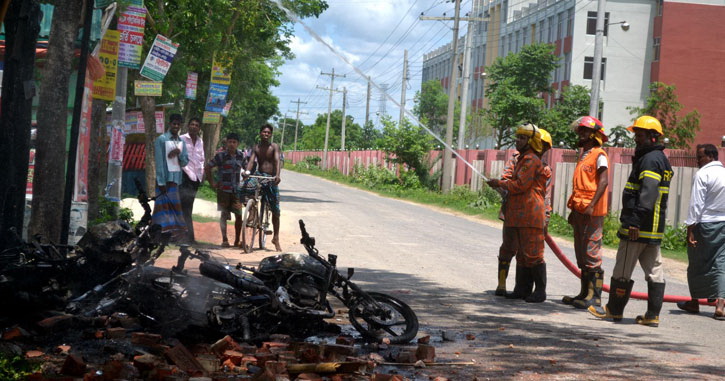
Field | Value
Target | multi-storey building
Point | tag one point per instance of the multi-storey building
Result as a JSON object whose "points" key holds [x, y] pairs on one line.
{"points": [[676, 42]]}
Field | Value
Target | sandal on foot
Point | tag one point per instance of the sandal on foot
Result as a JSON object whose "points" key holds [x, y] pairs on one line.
{"points": [[719, 315]]}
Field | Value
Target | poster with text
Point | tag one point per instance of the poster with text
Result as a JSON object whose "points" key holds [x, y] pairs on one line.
{"points": [[218, 89], [80, 193], [105, 87], [159, 59], [191, 83], [131, 24]]}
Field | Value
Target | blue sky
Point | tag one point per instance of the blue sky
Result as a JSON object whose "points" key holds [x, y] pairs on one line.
{"points": [[373, 35]]}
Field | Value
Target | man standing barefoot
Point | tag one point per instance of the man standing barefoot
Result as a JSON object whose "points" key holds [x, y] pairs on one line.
{"points": [[267, 159]]}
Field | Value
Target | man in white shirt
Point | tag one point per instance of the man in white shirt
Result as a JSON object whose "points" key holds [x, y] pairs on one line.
{"points": [[193, 173], [706, 233]]}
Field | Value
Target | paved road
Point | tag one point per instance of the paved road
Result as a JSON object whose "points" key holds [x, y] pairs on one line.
{"points": [[445, 267]]}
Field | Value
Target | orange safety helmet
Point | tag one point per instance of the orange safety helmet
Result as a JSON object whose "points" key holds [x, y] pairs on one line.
{"points": [[591, 123], [647, 122]]}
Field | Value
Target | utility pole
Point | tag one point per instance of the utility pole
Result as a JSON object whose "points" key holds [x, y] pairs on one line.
{"points": [[329, 111], [367, 105], [402, 88], [466, 79], [284, 124], [597, 64], [448, 153], [342, 133], [297, 122]]}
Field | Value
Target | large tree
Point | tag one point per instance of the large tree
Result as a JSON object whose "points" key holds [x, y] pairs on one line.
{"points": [[314, 135], [662, 103], [22, 24], [573, 103], [52, 116], [407, 144], [431, 107], [515, 85]]}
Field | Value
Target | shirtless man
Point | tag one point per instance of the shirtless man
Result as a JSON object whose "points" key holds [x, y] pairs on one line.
{"points": [[267, 159]]}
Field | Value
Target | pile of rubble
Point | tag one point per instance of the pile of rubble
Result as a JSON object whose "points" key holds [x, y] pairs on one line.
{"points": [[68, 347]]}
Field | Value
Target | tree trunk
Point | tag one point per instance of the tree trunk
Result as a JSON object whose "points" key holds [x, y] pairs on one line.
{"points": [[211, 140], [148, 109], [98, 159], [50, 150], [22, 24]]}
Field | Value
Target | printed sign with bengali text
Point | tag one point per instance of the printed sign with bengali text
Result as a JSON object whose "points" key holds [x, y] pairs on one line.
{"points": [[159, 59], [105, 87]]}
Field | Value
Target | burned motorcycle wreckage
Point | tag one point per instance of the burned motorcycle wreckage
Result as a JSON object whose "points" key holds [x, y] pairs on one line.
{"points": [[286, 293], [37, 277]]}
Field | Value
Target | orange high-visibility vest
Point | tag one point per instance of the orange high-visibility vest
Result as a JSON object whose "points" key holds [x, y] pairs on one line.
{"points": [[585, 185]]}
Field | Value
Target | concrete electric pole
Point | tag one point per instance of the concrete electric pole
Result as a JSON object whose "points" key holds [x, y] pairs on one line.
{"points": [[597, 64], [297, 122], [342, 133], [403, 87], [329, 111], [284, 124], [367, 105]]}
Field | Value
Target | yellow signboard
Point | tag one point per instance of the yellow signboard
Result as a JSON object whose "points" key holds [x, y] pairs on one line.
{"points": [[147, 88], [211, 117], [105, 87]]}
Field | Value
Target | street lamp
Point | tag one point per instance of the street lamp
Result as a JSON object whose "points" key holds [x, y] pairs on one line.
{"points": [[561, 144], [623, 24], [722, 143], [620, 142], [666, 141]]}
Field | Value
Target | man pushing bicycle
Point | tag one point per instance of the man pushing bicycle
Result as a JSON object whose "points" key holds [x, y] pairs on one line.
{"points": [[266, 155]]}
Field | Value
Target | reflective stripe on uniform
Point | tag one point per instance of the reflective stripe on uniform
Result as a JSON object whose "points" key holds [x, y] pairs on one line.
{"points": [[632, 186], [650, 174], [643, 234]]}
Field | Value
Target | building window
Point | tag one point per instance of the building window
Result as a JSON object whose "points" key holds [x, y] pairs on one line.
{"points": [[570, 22], [552, 29], [567, 67], [525, 36], [592, 23], [560, 21], [589, 67], [660, 6], [656, 49], [541, 31]]}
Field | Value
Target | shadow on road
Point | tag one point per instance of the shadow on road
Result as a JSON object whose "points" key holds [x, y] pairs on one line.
{"points": [[284, 198], [516, 338]]}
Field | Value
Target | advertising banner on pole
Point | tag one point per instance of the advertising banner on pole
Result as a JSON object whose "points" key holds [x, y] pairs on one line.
{"points": [[147, 88], [80, 193], [218, 89], [191, 82], [158, 61], [225, 110], [131, 24], [105, 87], [135, 124]]}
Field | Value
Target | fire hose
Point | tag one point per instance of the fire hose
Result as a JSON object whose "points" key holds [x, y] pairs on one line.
{"points": [[636, 295]]}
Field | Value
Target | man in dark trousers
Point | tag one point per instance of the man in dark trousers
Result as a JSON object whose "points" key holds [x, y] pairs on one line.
{"points": [[193, 173], [266, 155], [644, 205]]}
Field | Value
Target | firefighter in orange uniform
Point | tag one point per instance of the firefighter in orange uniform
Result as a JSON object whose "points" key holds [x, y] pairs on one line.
{"points": [[589, 205], [508, 248], [525, 212]]}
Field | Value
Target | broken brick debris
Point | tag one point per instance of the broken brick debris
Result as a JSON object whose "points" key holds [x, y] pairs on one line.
{"points": [[73, 366], [223, 344], [425, 353], [181, 357], [116, 333]]}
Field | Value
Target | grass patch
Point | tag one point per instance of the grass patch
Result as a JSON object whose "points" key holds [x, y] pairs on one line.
{"points": [[203, 219], [484, 203], [206, 192]]}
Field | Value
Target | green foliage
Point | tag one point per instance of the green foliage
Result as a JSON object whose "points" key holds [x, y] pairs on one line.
{"points": [[407, 144], [573, 103], [560, 226], [609, 231], [312, 161], [374, 176], [110, 211], [206, 192], [515, 83], [662, 104], [313, 137], [370, 136], [620, 132], [14, 368], [431, 107], [675, 238]]}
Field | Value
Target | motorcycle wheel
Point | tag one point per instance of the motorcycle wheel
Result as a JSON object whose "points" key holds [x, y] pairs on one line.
{"points": [[249, 223], [387, 318]]}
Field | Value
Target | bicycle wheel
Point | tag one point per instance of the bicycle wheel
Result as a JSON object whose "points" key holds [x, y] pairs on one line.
{"points": [[264, 221], [386, 317], [249, 225]]}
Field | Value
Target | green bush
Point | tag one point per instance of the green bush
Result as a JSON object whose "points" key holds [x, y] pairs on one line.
{"points": [[14, 368], [611, 226], [312, 161], [675, 238], [110, 211], [559, 225], [374, 176]]}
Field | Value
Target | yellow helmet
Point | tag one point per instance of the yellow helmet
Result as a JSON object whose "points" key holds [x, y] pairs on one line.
{"points": [[546, 137], [647, 122], [534, 133]]}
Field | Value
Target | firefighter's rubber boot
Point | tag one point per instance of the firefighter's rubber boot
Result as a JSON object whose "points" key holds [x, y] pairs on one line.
{"points": [[619, 293], [595, 281], [524, 283], [539, 274], [503, 273], [569, 300], [655, 297]]}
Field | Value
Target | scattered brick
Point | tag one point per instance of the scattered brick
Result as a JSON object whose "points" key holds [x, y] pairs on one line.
{"points": [[56, 323], [147, 362], [405, 356], [263, 357], [308, 377], [336, 352], [274, 347], [181, 357], [439, 378], [224, 344], [73, 366], [14, 333], [116, 333], [99, 334], [249, 360], [62, 349], [145, 339], [247, 349], [234, 356], [33, 354], [209, 362], [470, 336], [424, 340], [280, 338], [426, 353], [386, 377]]}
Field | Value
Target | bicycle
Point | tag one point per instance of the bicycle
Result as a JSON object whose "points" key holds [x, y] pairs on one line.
{"points": [[257, 215]]}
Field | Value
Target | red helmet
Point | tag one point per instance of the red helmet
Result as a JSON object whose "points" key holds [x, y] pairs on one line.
{"points": [[592, 123], [588, 122]]}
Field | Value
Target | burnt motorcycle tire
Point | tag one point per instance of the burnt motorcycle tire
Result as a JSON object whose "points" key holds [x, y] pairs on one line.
{"points": [[265, 215], [249, 225], [375, 328]]}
